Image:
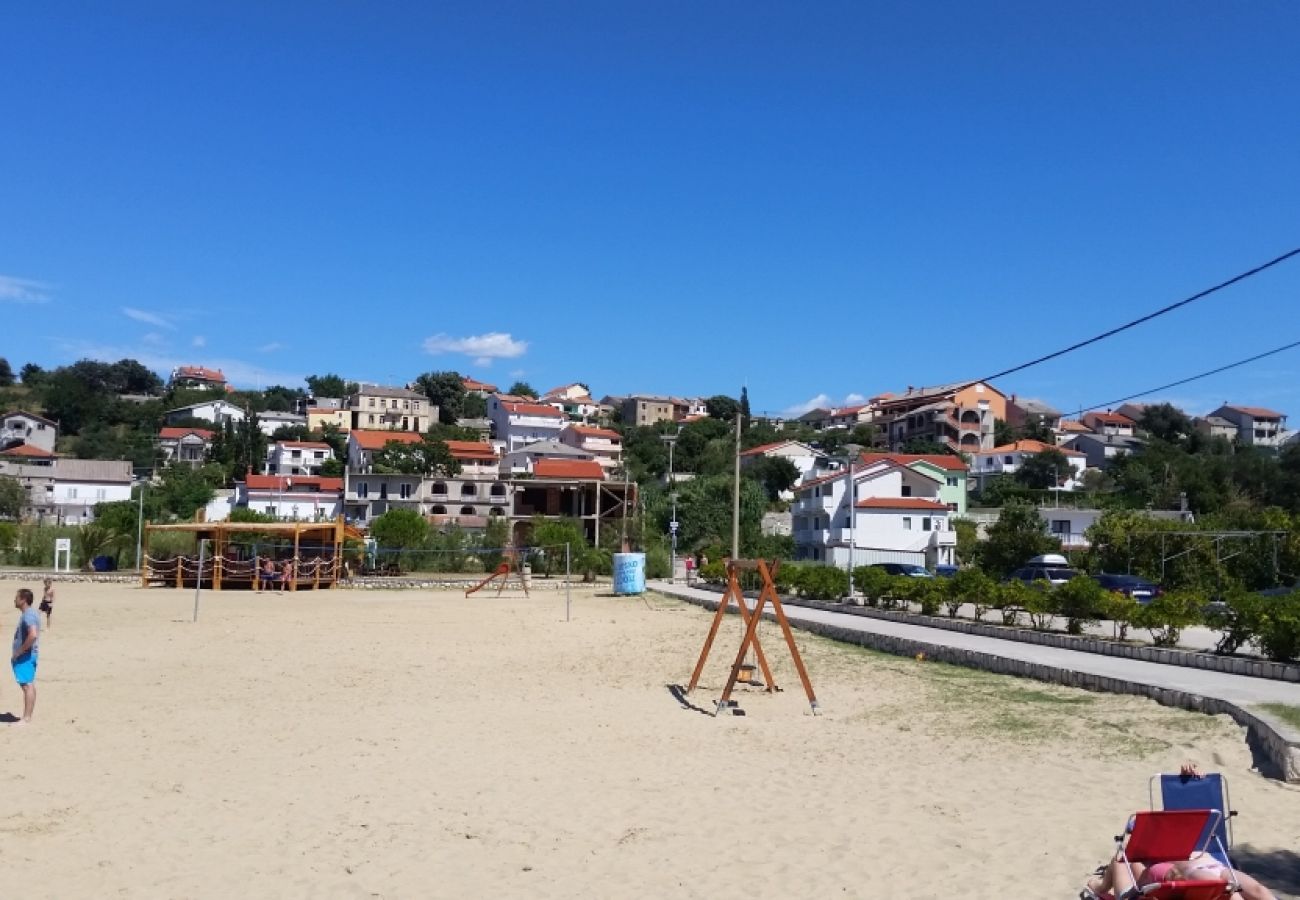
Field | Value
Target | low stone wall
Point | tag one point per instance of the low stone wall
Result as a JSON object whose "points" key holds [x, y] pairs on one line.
{"points": [[407, 582], [39, 576], [1279, 744]]}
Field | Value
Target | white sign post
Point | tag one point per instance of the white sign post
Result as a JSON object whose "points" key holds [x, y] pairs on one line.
{"points": [[63, 547]]}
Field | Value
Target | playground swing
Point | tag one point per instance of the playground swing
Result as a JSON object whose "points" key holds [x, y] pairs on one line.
{"points": [[508, 566], [741, 670]]}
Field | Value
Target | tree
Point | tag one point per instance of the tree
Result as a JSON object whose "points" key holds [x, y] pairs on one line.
{"points": [[967, 540], [474, 406], [291, 433], [1019, 534], [31, 374], [330, 385], [331, 468], [722, 407], [1004, 433], [183, 490], [522, 389], [446, 390], [924, 447], [6, 373], [1166, 422], [775, 473], [1044, 470], [12, 497], [428, 457], [400, 529], [278, 398], [704, 511], [744, 407]]}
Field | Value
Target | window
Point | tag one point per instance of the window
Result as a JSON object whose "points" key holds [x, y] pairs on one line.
{"points": [[383, 491], [406, 404], [101, 493], [467, 510], [1008, 460], [953, 481], [270, 509], [372, 406], [296, 454], [907, 490], [952, 507], [440, 488], [1060, 526], [468, 490], [363, 489], [925, 523], [72, 493], [439, 511], [372, 417], [405, 492], [907, 523]]}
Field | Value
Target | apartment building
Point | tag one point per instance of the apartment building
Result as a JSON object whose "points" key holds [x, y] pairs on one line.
{"points": [[297, 457], [960, 415], [379, 408], [1256, 426], [603, 444], [182, 444], [645, 409], [199, 378]]}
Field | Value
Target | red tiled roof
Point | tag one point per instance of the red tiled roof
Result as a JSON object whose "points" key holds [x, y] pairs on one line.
{"points": [[1071, 425], [475, 450], [176, 432], [1030, 446], [201, 372], [375, 440], [305, 445], [900, 503], [533, 409], [591, 431], [763, 448], [473, 385], [1258, 412], [858, 469], [288, 482], [942, 460], [1111, 418], [28, 451], [586, 469]]}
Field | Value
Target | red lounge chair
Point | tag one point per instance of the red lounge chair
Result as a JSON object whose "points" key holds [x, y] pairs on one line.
{"points": [[1167, 836]]}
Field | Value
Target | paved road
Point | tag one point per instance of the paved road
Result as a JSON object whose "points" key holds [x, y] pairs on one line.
{"points": [[1239, 689]]}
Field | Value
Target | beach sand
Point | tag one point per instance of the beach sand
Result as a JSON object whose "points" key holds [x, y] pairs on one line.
{"points": [[420, 744]]}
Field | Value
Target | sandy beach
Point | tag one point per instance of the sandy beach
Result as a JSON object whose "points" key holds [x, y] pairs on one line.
{"points": [[420, 744]]}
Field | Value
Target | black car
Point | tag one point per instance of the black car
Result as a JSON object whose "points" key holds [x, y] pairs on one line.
{"points": [[1052, 574], [904, 569], [1139, 589]]}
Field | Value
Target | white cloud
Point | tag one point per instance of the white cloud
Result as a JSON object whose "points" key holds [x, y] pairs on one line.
{"points": [[240, 373], [23, 290], [271, 347], [199, 341], [148, 318], [482, 348]]}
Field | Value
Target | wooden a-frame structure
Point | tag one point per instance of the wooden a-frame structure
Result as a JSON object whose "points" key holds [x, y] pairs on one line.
{"points": [[751, 618], [510, 564]]}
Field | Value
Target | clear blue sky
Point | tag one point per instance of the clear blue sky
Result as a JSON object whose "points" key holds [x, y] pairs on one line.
{"points": [[813, 199]]}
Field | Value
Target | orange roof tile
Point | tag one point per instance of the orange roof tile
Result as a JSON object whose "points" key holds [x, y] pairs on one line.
{"points": [[201, 372], [1071, 425], [1110, 418], [533, 409], [473, 385], [375, 440], [592, 431], [176, 432], [27, 451], [900, 503], [306, 445], [585, 469], [1029, 446], [288, 482], [1258, 412], [474, 450], [942, 460]]}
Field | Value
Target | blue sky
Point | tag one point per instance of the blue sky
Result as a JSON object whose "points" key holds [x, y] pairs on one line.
{"points": [[817, 200]]}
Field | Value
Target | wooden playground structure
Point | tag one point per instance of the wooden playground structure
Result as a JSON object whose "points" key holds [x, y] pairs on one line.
{"points": [[511, 565], [742, 671], [305, 555]]}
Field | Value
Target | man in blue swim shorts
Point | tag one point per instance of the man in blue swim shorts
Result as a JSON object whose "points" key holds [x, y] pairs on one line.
{"points": [[27, 640]]}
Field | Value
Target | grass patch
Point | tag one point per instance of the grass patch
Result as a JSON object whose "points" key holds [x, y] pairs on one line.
{"points": [[1288, 714]]}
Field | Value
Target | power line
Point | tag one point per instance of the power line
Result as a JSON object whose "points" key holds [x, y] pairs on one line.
{"points": [[1164, 387], [1147, 318]]}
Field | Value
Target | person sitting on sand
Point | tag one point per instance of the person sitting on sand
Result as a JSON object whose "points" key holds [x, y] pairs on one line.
{"points": [[1115, 879]]}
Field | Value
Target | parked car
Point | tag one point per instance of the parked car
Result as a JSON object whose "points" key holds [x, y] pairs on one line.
{"points": [[904, 569], [1054, 575], [1139, 589], [945, 571]]}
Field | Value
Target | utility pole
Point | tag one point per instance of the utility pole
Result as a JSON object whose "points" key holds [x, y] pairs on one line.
{"points": [[735, 498], [851, 452], [671, 441]]}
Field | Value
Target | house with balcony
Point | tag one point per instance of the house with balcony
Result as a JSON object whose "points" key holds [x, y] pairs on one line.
{"points": [[63, 490], [1216, 427], [523, 460], [1023, 412], [1007, 460], [474, 386], [894, 513], [1110, 424], [1256, 426], [648, 409], [199, 378], [960, 415], [519, 423], [297, 457], [21, 427], [569, 488], [271, 421], [181, 444], [218, 411], [1101, 450], [320, 416], [1068, 430], [375, 407], [603, 444], [467, 499], [951, 472], [363, 444], [302, 498]]}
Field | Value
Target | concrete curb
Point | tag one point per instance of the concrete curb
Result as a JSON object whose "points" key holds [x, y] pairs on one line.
{"points": [[1279, 744]]}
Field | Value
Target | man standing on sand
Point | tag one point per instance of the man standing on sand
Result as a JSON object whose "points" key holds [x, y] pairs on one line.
{"points": [[26, 648]]}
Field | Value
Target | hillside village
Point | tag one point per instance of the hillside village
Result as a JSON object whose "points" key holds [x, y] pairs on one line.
{"points": [[464, 454]]}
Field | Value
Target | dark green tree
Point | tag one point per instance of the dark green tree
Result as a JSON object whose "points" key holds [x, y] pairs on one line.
{"points": [[1004, 433], [31, 374], [744, 407], [446, 390], [400, 529], [1044, 470], [332, 468], [722, 407], [6, 373], [330, 385], [522, 389], [928, 448], [1018, 535], [1166, 422], [428, 457], [291, 433], [12, 497], [774, 473], [278, 398], [474, 407]]}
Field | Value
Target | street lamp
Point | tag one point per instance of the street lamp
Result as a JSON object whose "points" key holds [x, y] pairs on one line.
{"points": [[671, 441], [851, 453]]}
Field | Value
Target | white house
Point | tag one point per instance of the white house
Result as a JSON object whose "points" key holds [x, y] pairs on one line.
{"points": [[1068, 524], [20, 427], [1256, 426], [305, 498], [605, 444], [801, 455], [520, 423], [297, 457], [269, 422], [179, 443], [199, 377], [1007, 460], [362, 445], [1102, 449], [67, 490], [217, 411], [897, 516], [1109, 423]]}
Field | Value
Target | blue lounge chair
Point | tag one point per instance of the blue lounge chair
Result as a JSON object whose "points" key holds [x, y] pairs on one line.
{"points": [[1178, 792]]}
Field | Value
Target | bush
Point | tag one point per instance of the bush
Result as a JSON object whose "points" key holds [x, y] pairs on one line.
{"points": [[1122, 610], [714, 572], [1079, 600], [1010, 599], [788, 578], [473, 566], [1166, 616], [970, 586], [1040, 605], [825, 583], [930, 594], [1279, 627], [903, 591], [873, 582], [657, 563]]}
